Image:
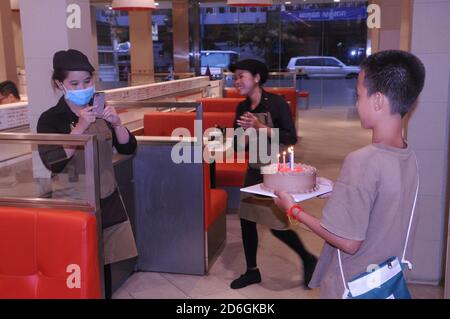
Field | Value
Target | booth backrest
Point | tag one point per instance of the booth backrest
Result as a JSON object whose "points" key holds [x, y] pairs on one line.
{"points": [[222, 119], [163, 123], [220, 104], [289, 94], [42, 250], [232, 93], [215, 200]]}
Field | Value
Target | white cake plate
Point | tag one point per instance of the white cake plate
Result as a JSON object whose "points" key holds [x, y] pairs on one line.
{"points": [[257, 189]]}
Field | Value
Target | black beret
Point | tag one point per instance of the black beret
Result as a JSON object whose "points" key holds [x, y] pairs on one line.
{"points": [[72, 60], [253, 66]]}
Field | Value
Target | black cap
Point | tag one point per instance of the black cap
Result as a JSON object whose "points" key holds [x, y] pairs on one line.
{"points": [[253, 66], [72, 60]]}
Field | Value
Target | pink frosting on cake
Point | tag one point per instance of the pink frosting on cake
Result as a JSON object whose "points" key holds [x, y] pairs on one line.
{"points": [[301, 180]]}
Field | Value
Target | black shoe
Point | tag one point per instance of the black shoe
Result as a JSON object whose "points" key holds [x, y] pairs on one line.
{"points": [[308, 269], [250, 277]]}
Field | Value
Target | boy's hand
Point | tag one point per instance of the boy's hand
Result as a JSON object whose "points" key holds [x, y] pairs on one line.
{"points": [[325, 182], [284, 201]]}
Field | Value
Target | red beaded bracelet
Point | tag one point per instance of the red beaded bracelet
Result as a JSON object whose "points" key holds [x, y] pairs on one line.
{"points": [[290, 212]]}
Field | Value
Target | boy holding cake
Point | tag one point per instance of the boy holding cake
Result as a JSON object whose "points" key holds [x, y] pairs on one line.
{"points": [[367, 215]]}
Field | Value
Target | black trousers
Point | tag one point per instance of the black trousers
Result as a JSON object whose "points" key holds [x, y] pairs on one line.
{"points": [[250, 241]]}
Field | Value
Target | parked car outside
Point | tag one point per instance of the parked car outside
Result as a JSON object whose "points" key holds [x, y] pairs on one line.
{"points": [[322, 67]]}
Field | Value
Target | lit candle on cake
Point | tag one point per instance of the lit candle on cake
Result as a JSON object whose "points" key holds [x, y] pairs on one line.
{"points": [[291, 158], [284, 159]]}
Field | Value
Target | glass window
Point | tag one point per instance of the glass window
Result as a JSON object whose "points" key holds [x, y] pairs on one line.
{"points": [[302, 62], [316, 62], [331, 62], [302, 28], [113, 27]]}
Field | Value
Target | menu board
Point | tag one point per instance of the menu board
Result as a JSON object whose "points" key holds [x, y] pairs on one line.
{"points": [[13, 115]]}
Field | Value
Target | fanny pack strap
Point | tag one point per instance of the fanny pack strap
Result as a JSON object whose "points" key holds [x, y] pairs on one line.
{"points": [[404, 261]]}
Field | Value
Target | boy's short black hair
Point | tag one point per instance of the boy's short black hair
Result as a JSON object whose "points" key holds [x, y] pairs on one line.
{"points": [[8, 87], [399, 75]]}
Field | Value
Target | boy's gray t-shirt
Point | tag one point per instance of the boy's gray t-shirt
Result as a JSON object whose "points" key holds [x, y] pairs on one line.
{"points": [[371, 202]]}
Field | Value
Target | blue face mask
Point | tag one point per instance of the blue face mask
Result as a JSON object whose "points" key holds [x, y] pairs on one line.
{"points": [[80, 97]]}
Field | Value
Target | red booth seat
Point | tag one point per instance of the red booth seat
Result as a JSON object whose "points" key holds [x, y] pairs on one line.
{"points": [[220, 104], [231, 174], [215, 200], [36, 247], [289, 94], [163, 124]]}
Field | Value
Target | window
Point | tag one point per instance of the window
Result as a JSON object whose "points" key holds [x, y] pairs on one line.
{"points": [[308, 31], [116, 24], [302, 62], [218, 59], [317, 62], [332, 62]]}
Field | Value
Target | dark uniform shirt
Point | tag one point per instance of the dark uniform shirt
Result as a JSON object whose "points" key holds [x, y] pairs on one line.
{"points": [[279, 111], [60, 120]]}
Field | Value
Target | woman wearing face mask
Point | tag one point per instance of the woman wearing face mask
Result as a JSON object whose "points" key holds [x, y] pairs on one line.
{"points": [[73, 76], [263, 111]]}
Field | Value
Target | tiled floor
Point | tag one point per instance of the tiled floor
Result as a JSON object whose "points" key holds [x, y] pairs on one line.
{"points": [[327, 135]]}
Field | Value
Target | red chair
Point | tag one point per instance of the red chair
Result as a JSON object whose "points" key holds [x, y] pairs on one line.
{"points": [[221, 119], [215, 200], [215, 208], [231, 174], [162, 124], [220, 104], [37, 247]]}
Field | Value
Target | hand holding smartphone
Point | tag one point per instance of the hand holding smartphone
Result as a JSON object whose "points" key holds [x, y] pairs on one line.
{"points": [[99, 102]]}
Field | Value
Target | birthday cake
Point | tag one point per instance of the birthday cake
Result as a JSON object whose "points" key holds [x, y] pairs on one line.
{"points": [[300, 178]]}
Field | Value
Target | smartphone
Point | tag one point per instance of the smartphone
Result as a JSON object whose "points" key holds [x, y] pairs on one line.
{"points": [[99, 101]]}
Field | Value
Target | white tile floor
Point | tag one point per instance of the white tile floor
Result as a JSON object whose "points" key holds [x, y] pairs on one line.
{"points": [[327, 135]]}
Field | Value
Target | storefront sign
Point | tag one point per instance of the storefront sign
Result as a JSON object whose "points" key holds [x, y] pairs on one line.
{"points": [[331, 14]]}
